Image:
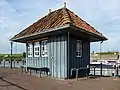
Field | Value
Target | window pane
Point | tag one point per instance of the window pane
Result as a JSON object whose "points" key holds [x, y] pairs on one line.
{"points": [[36, 53], [30, 49], [36, 49], [44, 48], [78, 48]]}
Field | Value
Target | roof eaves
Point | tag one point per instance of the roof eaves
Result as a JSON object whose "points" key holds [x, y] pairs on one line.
{"points": [[90, 33], [42, 32]]}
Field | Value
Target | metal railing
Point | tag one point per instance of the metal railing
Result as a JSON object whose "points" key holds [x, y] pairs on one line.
{"points": [[15, 64], [106, 70]]}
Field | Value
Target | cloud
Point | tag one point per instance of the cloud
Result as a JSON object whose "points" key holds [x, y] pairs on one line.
{"points": [[15, 15], [105, 17]]}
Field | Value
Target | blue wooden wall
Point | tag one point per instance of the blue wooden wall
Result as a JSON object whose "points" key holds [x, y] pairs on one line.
{"points": [[58, 60], [57, 57]]}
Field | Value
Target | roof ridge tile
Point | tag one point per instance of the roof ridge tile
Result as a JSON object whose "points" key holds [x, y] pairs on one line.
{"points": [[66, 16]]}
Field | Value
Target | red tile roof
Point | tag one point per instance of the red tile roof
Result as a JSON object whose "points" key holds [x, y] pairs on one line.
{"points": [[55, 19]]}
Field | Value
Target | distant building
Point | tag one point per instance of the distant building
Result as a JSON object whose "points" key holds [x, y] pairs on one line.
{"points": [[59, 41]]}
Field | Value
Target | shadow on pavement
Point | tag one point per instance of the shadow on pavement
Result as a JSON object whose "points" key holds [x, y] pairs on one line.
{"points": [[94, 77], [10, 84]]}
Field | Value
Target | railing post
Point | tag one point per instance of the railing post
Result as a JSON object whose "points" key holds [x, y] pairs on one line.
{"points": [[11, 43], [100, 57], [94, 71], [117, 71], [101, 69], [4, 63], [14, 63]]}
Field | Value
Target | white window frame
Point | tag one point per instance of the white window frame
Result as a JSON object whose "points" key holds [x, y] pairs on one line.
{"points": [[30, 50], [36, 49], [44, 48], [78, 48]]}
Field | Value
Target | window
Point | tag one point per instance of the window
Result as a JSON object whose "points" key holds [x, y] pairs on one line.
{"points": [[36, 49], [79, 48], [30, 50], [44, 49]]}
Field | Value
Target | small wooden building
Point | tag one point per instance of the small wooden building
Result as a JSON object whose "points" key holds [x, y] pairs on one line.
{"points": [[60, 41]]}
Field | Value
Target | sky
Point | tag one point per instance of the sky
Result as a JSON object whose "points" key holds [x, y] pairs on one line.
{"points": [[103, 15]]}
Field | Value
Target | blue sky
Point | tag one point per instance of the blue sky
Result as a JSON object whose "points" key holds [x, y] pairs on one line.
{"points": [[103, 15]]}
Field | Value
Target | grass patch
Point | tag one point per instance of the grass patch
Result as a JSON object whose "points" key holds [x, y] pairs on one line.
{"points": [[107, 53], [7, 57]]}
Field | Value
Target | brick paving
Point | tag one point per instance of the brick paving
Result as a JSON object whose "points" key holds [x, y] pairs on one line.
{"points": [[15, 80]]}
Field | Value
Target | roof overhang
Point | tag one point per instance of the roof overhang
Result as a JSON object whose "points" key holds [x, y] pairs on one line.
{"points": [[92, 37], [42, 34], [60, 30]]}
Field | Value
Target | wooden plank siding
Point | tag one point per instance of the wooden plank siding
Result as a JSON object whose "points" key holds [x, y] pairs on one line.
{"points": [[78, 62], [58, 52], [57, 57], [57, 60]]}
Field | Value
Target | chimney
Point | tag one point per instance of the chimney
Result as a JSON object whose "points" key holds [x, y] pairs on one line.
{"points": [[64, 4], [49, 10]]}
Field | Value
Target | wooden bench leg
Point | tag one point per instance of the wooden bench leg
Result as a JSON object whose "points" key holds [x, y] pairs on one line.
{"points": [[30, 71], [22, 69], [40, 73], [25, 69], [47, 74]]}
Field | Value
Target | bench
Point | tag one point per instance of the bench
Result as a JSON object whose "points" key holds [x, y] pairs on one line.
{"points": [[45, 69], [77, 70]]}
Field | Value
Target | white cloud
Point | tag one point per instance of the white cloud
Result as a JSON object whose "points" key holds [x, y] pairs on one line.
{"points": [[104, 15], [16, 15]]}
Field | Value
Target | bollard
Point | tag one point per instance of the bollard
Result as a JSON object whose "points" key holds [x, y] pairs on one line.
{"points": [[88, 71], [77, 74]]}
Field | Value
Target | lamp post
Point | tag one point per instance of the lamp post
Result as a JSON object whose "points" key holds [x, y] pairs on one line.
{"points": [[100, 57], [11, 45]]}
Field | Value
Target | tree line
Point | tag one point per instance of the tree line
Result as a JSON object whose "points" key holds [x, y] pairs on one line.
{"points": [[8, 57]]}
